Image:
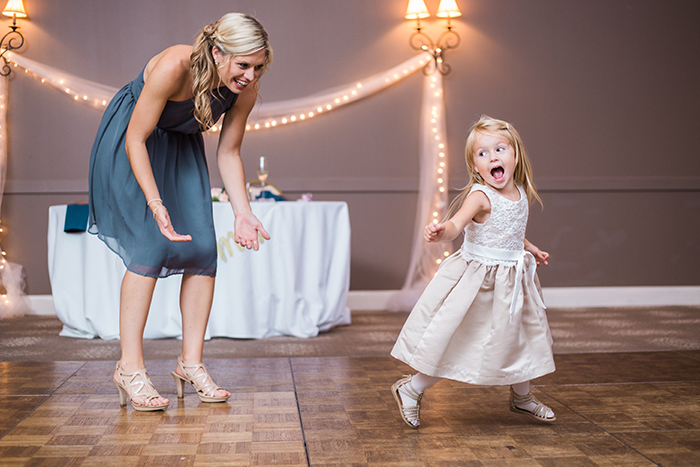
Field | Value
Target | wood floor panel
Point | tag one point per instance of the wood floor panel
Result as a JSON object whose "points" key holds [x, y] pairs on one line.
{"points": [[677, 447], [612, 410], [635, 367], [34, 378], [15, 408]]}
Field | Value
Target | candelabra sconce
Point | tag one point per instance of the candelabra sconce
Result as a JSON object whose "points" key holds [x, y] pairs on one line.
{"points": [[449, 39], [15, 9]]}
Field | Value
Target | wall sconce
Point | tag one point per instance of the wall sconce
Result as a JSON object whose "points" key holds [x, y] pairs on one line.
{"points": [[15, 9], [449, 39]]}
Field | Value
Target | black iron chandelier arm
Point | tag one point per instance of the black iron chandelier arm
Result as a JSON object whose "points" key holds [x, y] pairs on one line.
{"points": [[11, 37]]}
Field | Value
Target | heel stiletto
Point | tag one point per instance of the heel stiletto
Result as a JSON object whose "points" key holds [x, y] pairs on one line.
{"points": [[139, 385], [200, 380]]}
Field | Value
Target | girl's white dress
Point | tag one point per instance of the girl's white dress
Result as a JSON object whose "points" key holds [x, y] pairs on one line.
{"points": [[481, 319]]}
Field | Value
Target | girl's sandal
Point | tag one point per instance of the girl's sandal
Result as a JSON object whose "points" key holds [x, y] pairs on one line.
{"points": [[539, 412], [200, 380], [137, 385], [409, 414]]}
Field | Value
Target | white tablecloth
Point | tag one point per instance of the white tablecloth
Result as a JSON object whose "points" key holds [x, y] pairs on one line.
{"points": [[296, 284]]}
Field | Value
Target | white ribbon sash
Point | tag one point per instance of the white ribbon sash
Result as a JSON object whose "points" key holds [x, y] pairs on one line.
{"points": [[524, 259]]}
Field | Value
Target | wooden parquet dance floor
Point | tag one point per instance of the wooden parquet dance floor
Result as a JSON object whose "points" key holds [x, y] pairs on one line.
{"points": [[613, 409]]}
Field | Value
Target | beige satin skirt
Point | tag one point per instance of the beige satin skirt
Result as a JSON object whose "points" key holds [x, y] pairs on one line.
{"points": [[461, 327]]}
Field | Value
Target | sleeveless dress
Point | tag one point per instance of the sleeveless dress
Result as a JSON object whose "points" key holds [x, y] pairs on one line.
{"points": [[119, 215], [481, 319]]}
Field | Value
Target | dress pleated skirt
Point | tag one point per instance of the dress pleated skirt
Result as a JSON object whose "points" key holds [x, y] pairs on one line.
{"points": [[119, 214], [461, 327]]}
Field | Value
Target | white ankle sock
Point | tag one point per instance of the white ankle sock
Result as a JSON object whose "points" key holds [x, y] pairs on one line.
{"points": [[523, 389], [420, 383]]}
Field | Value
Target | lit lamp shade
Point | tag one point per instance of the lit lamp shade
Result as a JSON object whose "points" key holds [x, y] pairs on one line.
{"points": [[448, 9], [15, 8], [416, 10]]}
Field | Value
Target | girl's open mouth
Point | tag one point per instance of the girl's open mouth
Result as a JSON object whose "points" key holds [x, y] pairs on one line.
{"points": [[497, 173]]}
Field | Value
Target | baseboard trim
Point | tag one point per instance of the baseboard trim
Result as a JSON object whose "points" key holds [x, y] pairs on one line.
{"points": [[554, 297], [41, 305], [567, 297]]}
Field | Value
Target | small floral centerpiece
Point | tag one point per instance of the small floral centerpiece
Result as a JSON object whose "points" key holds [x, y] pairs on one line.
{"points": [[219, 194]]}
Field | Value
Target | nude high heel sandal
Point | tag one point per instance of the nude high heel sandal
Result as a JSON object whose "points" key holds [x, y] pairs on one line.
{"points": [[409, 414], [200, 380], [137, 385], [539, 412]]}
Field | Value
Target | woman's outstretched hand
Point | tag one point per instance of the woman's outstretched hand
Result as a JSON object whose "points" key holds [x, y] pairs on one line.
{"points": [[247, 227], [160, 214], [434, 232]]}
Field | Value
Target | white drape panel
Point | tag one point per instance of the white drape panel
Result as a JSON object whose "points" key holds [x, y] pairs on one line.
{"points": [[293, 110], [14, 301], [78, 89], [432, 195], [3, 135], [282, 112]]}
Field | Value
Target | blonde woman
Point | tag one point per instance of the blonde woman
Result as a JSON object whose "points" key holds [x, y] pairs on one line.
{"points": [[150, 196]]}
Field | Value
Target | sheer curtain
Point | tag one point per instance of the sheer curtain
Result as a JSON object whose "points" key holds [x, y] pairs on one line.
{"points": [[432, 195]]}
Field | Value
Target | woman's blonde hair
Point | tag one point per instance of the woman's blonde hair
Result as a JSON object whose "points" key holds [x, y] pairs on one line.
{"points": [[523, 170], [233, 34]]}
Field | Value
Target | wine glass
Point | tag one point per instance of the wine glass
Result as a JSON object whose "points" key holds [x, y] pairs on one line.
{"points": [[262, 170]]}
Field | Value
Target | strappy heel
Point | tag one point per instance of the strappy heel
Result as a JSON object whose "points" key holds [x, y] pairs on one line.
{"points": [[200, 380], [539, 412], [137, 385], [409, 414]]}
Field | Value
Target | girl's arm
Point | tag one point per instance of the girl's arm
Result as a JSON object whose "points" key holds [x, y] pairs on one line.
{"points": [[165, 80], [228, 156], [540, 256], [476, 205]]}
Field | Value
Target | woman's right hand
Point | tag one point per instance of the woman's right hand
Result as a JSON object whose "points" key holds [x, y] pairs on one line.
{"points": [[434, 232], [160, 214]]}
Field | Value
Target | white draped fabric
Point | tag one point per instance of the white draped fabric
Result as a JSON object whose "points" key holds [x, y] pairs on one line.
{"points": [[295, 285], [14, 301], [432, 198], [78, 89], [432, 195], [303, 108], [3, 134]]}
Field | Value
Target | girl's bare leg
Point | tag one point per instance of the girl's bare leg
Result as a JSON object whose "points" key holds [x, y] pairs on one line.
{"points": [[135, 301], [196, 296]]}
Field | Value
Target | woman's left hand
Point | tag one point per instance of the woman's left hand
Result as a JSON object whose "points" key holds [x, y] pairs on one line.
{"points": [[247, 227]]}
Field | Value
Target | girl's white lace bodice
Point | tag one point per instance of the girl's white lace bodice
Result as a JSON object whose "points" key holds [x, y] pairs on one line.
{"points": [[505, 227]]}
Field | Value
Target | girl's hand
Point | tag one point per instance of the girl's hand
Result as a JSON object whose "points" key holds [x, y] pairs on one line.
{"points": [[434, 232], [540, 256], [160, 214], [246, 229]]}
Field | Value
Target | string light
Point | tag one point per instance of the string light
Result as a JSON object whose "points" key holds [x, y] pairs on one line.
{"points": [[341, 97], [59, 83]]}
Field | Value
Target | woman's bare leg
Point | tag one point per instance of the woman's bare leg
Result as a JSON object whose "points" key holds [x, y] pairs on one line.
{"points": [[135, 301], [196, 296]]}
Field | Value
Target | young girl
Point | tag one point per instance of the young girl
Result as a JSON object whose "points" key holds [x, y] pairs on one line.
{"points": [[481, 319]]}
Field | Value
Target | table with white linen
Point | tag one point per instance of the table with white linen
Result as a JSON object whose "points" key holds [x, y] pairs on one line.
{"points": [[296, 284]]}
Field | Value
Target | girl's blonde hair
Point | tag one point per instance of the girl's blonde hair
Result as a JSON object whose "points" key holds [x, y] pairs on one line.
{"points": [[523, 170], [233, 34]]}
